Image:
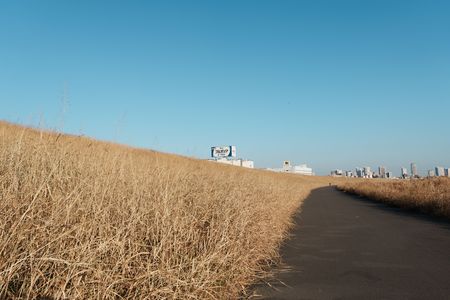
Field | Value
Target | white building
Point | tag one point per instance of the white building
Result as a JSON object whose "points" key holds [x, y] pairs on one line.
{"points": [[300, 169], [337, 173], [440, 171], [382, 171], [367, 172], [414, 170], [389, 175], [359, 172], [227, 155], [236, 162], [404, 172], [248, 164]]}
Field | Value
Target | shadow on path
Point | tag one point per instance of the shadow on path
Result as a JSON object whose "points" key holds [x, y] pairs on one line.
{"points": [[404, 212], [348, 247]]}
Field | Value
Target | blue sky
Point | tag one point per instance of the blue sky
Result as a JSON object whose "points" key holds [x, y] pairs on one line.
{"points": [[335, 84]]}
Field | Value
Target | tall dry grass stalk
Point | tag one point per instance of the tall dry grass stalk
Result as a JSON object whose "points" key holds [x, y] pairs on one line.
{"points": [[82, 219], [427, 195]]}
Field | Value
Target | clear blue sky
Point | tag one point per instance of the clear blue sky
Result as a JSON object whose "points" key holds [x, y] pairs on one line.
{"points": [[335, 84]]}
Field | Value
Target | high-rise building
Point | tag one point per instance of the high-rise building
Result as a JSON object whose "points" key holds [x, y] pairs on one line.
{"points": [[404, 173], [382, 171], [447, 172], [367, 172], [439, 171], [414, 170], [430, 173], [359, 172], [389, 175]]}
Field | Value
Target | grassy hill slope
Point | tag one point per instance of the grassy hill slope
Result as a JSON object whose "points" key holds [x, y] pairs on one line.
{"points": [[83, 219]]}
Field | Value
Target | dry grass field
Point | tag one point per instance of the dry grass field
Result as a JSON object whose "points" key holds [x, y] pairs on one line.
{"points": [[427, 195], [83, 219]]}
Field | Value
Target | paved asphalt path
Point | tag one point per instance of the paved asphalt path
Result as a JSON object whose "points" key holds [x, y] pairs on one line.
{"points": [[347, 247]]}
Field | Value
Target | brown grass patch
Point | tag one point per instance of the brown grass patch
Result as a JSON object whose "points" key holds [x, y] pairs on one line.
{"points": [[427, 195], [82, 219]]}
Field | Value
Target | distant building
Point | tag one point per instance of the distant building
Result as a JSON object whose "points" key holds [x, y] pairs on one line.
{"points": [[447, 172], [248, 164], [359, 172], [367, 172], [236, 162], [439, 171], [337, 173], [404, 172], [414, 170], [389, 175], [348, 173], [287, 166], [382, 171], [430, 173], [300, 169], [227, 155]]}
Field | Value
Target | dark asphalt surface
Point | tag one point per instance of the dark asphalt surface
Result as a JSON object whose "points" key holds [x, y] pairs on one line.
{"points": [[346, 247]]}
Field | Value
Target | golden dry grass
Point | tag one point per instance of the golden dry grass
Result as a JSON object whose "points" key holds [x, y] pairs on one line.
{"points": [[82, 219], [427, 195]]}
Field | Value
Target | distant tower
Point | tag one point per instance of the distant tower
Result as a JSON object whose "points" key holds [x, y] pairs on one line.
{"points": [[367, 172], [413, 170], [287, 166], [404, 173], [439, 171], [382, 171]]}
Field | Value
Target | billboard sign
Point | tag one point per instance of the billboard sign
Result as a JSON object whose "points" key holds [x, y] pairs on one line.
{"points": [[223, 151]]}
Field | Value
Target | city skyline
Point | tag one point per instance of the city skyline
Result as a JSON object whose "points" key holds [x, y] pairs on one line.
{"points": [[384, 172]]}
